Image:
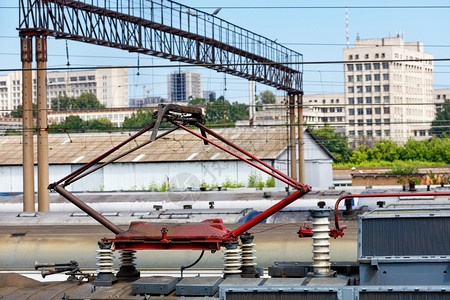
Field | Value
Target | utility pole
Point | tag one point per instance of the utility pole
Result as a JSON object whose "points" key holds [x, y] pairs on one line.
{"points": [[292, 136], [301, 154], [42, 124], [26, 48]]}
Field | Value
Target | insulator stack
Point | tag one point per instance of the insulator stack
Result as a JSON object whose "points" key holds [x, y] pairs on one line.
{"points": [[248, 260], [248, 268], [105, 264], [321, 242], [127, 271], [232, 257]]}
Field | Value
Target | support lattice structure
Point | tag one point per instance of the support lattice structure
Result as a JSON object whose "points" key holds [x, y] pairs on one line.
{"points": [[169, 30]]}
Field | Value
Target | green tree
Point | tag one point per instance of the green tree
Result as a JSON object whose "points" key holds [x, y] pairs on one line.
{"points": [[72, 124], [440, 126], [335, 142], [266, 97], [62, 102], [85, 101], [197, 101], [138, 120], [18, 112], [217, 109], [103, 124]]}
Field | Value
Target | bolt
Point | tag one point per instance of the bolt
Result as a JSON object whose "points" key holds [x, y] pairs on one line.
{"points": [[157, 207], [381, 204], [211, 204], [321, 204], [188, 206]]}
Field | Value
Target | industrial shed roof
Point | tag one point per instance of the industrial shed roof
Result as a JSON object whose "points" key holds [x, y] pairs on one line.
{"points": [[264, 143]]}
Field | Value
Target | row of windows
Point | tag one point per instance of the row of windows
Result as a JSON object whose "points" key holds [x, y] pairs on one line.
{"points": [[368, 77], [368, 88], [324, 101], [366, 56], [370, 133], [360, 100], [331, 109], [369, 111], [369, 122], [82, 78], [367, 66], [332, 119]]}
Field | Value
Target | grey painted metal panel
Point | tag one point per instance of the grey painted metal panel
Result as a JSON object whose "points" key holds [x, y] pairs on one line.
{"points": [[403, 296], [404, 236]]}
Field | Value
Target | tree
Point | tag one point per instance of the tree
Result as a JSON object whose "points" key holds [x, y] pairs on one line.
{"points": [[266, 97], [72, 124], [103, 124], [217, 109], [138, 120], [18, 112], [86, 101], [62, 102], [197, 101], [440, 126], [335, 142]]}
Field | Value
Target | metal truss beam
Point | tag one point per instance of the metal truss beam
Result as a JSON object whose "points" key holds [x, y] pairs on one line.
{"points": [[168, 30]]}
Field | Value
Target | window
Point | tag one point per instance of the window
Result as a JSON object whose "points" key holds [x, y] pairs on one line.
{"points": [[360, 111], [358, 77], [351, 122], [377, 121], [377, 55], [52, 80], [349, 67], [387, 121], [351, 89], [351, 112], [324, 109], [351, 133], [332, 119], [386, 76], [386, 110], [350, 57], [366, 56], [377, 99], [376, 66], [368, 89], [324, 119], [92, 77], [385, 65], [422, 132], [368, 100], [337, 100], [82, 78], [368, 77], [356, 56], [376, 88], [360, 100], [73, 79], [376, 77], [350, 78], [338, 109], [351, 100], [358, 67], [360, 132], [386, 87], [386, 99], [332, 109], [359, 89], [415, 132], [369, 133], [360, 122], [377, 110], [369, 111], [367, 66], [387, 132], [378, 132], [383, 55]]}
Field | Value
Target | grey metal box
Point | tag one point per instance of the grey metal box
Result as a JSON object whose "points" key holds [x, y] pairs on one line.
{"points": [[198, 286], [156, 285]]}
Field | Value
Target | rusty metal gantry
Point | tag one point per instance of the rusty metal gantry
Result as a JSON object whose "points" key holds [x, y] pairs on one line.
{"points": [[161, 28], [168, 30]]}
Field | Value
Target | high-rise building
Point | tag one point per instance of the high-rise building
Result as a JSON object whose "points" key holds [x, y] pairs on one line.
{"points": [[388, 90], [183, 85], [110, 86]]}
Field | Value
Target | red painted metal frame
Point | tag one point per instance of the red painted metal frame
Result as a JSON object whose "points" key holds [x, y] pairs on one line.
{"points": [[339, 229]]}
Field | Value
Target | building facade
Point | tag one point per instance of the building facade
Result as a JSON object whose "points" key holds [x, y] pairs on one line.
{"points": [[388, 90], [110, 86], [183, 85]]}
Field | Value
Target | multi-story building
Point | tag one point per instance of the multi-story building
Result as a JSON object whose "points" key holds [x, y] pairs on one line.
{"points": [[388, 90], [109, 85], [440, 95], [183, 85]]}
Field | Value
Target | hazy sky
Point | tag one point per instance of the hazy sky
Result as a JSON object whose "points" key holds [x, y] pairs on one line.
{"points": [[318, 33]]}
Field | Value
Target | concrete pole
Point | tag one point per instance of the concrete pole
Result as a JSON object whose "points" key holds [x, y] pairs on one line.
{"points": [[301, 154], [26, 44], [42, 124], [251, 101], [292, 136]]}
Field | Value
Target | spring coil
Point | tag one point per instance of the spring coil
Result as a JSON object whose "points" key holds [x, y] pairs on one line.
{"points": [[232, 263], [105, 261]]}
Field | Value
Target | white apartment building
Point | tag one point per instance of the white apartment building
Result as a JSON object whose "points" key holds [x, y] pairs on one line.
{"points": [[440, 95], [183, 85], [386, 98], [109, 85]]}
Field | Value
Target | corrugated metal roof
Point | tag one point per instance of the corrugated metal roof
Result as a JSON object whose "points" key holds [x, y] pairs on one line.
{"points": [[264, 143]]}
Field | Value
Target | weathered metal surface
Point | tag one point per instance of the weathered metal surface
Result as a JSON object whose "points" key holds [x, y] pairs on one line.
{"points": [[198, 286], [155, 285]]}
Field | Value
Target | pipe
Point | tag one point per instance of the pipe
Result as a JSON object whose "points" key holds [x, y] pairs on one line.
{"points": [[87, 209]]}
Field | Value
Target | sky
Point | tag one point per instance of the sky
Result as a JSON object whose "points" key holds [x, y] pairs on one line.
{"points": [[317, 29]]}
